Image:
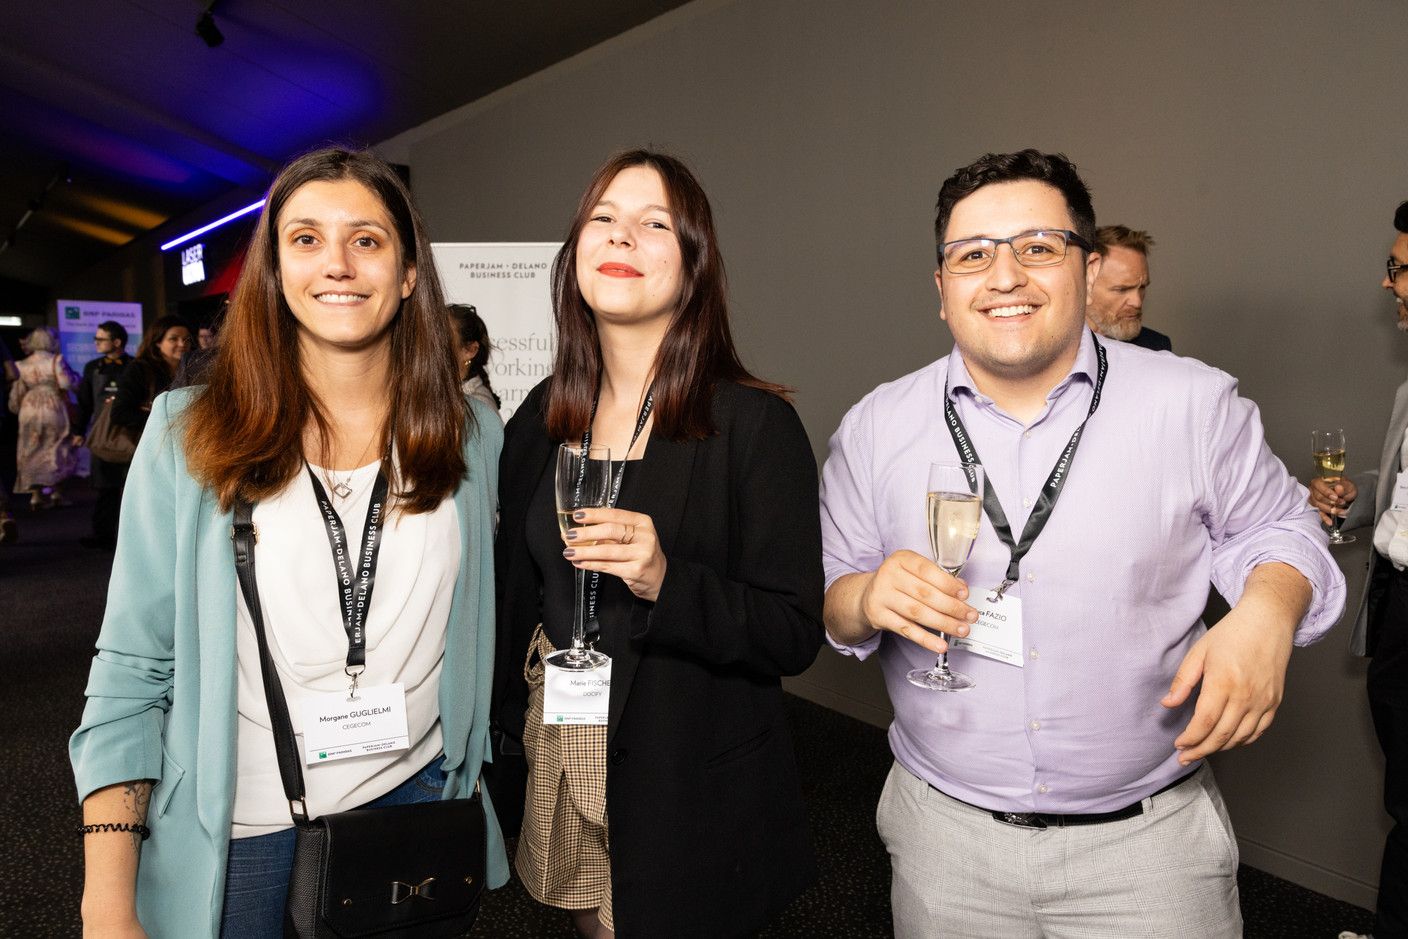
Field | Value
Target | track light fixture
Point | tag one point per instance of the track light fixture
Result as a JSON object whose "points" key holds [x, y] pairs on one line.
{"points": [[206, 28], [36, 205]]}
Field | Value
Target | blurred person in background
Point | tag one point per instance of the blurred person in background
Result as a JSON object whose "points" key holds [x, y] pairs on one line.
{"points": [[1115, 308], [151, 372], [44, 456], [99, 385], [1381, 623], [9, 373], [474, 349]]}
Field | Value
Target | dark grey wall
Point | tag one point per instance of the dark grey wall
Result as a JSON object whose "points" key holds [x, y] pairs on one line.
{"points": [[1262, 144]]}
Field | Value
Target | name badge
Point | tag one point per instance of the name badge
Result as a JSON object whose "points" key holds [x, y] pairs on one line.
{"points": [[576, 697], [336, 726], [998, 632], [1400, 492]]}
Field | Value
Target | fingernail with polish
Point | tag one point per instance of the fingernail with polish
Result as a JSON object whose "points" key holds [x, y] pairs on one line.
{"points": [[569, 552], [579, 516], [571, 534]]}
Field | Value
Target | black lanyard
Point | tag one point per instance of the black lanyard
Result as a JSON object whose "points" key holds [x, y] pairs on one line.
{"points": [[592, 626], [355, 576], [1050, 492]]}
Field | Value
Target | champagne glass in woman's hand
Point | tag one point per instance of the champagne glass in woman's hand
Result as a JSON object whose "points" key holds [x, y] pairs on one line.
{"points": [[955, 510], [1327, 447], [583, 482]]}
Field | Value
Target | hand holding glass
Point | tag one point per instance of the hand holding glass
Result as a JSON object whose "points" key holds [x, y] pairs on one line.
{"points": [[1327, 447], [583, 482], [955, 511]]}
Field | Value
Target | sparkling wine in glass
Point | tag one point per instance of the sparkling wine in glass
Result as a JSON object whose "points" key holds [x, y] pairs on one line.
{"points": [[954, 504], [1327, 447], [583, 482]]}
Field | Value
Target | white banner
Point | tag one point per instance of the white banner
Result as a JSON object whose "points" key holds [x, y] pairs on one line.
{"points": [[78, 319], [508, 285]]}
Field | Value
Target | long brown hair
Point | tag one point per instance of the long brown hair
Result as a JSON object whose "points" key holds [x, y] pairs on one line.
{"points": [[149, 353], [244, 432], [697, 350]]}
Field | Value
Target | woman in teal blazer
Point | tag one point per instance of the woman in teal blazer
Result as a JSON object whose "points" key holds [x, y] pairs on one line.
{"points": [[343, 253]]}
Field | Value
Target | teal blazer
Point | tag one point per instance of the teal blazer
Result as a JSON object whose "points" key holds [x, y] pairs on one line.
{"points": [[162, 694]]}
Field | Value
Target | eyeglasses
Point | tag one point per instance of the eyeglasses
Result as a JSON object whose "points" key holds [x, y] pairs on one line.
{"points": [[1393, 268], [1030, 248], [102, 339]]}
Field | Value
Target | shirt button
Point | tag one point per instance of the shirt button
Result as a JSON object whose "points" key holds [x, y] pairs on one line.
{"points": [[1041, 789], [1032, 653], [1027, 503], [1036, 725], [1027, 434], [1030, 576]]}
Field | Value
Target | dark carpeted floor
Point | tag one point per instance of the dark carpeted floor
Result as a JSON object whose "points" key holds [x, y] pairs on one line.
{"points": [[51, 602]]}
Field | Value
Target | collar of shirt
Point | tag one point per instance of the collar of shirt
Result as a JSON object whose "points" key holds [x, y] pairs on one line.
{"points": [[961, 384]]}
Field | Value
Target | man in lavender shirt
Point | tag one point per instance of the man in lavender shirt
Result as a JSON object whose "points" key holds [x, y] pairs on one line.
{"points": [[1064, 794]]}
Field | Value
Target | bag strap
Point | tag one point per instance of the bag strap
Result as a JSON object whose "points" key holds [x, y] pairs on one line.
{"points": [[245, 536]]}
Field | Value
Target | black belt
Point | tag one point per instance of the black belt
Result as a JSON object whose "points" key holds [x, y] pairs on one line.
{"points": [[1042, 820]]}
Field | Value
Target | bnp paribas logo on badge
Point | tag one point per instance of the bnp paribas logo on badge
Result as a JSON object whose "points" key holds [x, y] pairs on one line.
{"points": [[322, 755], [73, 313]]}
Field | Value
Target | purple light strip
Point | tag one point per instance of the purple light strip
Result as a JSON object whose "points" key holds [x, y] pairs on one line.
{"points": [[215, 224]]}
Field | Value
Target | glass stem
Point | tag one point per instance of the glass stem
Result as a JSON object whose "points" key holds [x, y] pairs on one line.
{"points": [[941, 664], [579, 615]]}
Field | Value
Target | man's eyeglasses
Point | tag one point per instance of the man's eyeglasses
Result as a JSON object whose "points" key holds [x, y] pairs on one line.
{"points": [[102, 339], [1030, 248], [1393, 268]]}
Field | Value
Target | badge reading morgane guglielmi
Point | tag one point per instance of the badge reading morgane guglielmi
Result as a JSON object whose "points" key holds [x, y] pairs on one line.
{"points": [[336, 726]]}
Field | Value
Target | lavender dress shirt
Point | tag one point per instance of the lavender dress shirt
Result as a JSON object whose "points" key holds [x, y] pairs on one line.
{"points": [[1173, 487]]}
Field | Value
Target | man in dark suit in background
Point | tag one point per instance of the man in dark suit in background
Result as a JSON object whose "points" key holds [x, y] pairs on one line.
{"points": [[1116, 305], [1381, 624], [100, 383]]}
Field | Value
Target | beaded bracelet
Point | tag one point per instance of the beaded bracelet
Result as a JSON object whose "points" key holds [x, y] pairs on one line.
{"points": [[136, 829]]}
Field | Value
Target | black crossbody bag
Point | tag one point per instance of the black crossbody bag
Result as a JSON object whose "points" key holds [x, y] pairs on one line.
{"points": [[398, 872]]}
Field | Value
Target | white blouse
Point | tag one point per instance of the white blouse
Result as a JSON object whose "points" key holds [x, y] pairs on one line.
{"points": [[1391, 531], [418, 563]]}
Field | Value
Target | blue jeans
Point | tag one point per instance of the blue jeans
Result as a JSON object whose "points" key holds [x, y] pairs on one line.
{"points": [[256, 874]]}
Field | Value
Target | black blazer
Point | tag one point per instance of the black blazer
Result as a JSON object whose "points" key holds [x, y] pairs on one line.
{"points": [[708, 832], [1153, 339]]}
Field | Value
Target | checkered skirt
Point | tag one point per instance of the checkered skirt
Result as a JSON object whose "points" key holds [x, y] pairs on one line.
{"points": [[563, 853]]}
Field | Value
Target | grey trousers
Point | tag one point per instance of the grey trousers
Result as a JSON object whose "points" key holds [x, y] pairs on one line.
{"points": [[1170, 872]]}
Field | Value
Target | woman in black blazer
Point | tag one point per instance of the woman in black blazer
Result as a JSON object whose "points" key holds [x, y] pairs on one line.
{"points": [[683, 815]]}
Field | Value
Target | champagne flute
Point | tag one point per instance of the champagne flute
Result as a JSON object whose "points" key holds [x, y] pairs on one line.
{"points": [[955, 510], [583, 482], [1327, 447]]}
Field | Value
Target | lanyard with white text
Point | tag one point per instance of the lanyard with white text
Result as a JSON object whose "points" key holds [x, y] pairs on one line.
{"points": [[354, 583], [1049, 492], [593, 625]]}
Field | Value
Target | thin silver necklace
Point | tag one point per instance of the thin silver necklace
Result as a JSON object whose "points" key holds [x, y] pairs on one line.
{"points": [[342, 488]]}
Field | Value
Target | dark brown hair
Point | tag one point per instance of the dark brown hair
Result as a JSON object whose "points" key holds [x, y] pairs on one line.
{"points": [[471, 328], [244, 432], [697, 350], [1050, 168], [148, 353]]}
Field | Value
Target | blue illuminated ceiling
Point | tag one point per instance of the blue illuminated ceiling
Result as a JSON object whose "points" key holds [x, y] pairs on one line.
{"points": [[139, 120]]}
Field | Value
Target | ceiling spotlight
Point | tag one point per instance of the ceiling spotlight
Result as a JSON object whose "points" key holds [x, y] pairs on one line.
{"points": [[207, 30]]}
